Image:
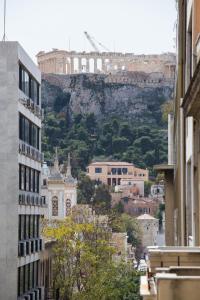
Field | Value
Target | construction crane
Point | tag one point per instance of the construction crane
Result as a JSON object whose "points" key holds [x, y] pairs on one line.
{"points": [[91, 41]]}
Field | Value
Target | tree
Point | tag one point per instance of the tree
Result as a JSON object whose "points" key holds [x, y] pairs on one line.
{"points": [[147, 188], [120, 144], [116, 282], [132, 229], [102, 199], [86, 188], [115, 126], [126, 223], [126, 132], [82, 263], [166, 109], [81, 250], [90, 123], [144, 143]]}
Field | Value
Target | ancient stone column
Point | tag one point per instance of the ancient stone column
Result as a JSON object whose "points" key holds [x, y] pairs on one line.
{"points": [[72, 65], [80, 65], [95, 65], [103, 65], [87, 65], [64, 65]]}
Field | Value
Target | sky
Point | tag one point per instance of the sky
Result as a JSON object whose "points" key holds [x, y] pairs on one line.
{"points": [[136, 26]]}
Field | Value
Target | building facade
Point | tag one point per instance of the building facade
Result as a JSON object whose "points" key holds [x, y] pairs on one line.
{"points": [[59, 190], [112, 173], [175, 269], [21, 205]]}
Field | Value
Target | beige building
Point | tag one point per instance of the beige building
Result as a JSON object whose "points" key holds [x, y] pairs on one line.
{"points": [[112, 173], [174, 271]]}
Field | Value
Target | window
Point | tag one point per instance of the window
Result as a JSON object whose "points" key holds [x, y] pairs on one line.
{"points": [[54, 206], [28, 179], [98, 170], [29, 132], [27, 277], [68, 206], [22, 177], [114, 171], [124, 170], [119, 171], [29, 85]]}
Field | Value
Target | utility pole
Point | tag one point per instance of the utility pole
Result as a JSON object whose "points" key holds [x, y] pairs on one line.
{"points": [[4, 23]]}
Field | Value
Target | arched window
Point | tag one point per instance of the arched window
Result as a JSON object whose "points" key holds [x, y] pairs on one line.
{"points": [[54, 206], [68, 206]]}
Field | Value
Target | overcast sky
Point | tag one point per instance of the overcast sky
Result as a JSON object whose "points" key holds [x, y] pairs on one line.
{"points": [[138, 26]]}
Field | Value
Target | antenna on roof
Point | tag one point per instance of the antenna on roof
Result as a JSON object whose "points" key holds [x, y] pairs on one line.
{"points": [[4, 23]]}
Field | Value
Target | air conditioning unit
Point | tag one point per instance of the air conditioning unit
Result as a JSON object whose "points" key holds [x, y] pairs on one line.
{"points": [[41, 292], [28, 248], [32, 105], [37, 294], [23, 148], [28, 150], [28, 102], [20, 198], [41, 245], [32, 242], [32, 296], [36, 200], [37, 245], [20, 147], [23, 199], [32, 200], [28, 199], [22, 249]]}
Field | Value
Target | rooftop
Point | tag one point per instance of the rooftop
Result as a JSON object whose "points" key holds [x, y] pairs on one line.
{"points": [[146, 217], [111, 163]]}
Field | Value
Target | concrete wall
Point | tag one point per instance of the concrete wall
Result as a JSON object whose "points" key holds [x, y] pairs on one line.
{"points": [[8, 169]]}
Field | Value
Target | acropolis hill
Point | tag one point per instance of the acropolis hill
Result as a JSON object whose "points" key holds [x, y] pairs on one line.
{"points": [[72, 62]]}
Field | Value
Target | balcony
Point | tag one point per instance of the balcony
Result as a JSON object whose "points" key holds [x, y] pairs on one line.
{"points": [[30, 104], [29, 246], [30, 151], [173, 273], [36, 294], [33, 199], [165, 257]]}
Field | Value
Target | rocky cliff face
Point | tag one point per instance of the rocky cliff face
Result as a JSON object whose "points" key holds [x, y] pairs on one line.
{"points": [[139, 99]]}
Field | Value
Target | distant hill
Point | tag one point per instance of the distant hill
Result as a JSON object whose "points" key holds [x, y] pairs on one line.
{"points": [[117, 116]]}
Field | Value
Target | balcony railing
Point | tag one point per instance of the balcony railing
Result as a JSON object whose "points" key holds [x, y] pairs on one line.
{"points": [[29, 198], [164, 257], [34, 108], [168, 266], [29, 246], [30, 151]]}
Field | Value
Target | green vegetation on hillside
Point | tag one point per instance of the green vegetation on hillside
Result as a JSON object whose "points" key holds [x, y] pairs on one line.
{"points": [[111, 138]]}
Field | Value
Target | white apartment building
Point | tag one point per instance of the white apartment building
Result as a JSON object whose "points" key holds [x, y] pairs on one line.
{"points": [[21, 205]]}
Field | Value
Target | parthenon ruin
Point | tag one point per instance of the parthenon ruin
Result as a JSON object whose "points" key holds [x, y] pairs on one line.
{"points": [[72, 62]]}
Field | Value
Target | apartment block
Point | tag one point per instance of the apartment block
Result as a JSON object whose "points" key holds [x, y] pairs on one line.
{"points": [[112, 173], [174, 271], [21, 206]]}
